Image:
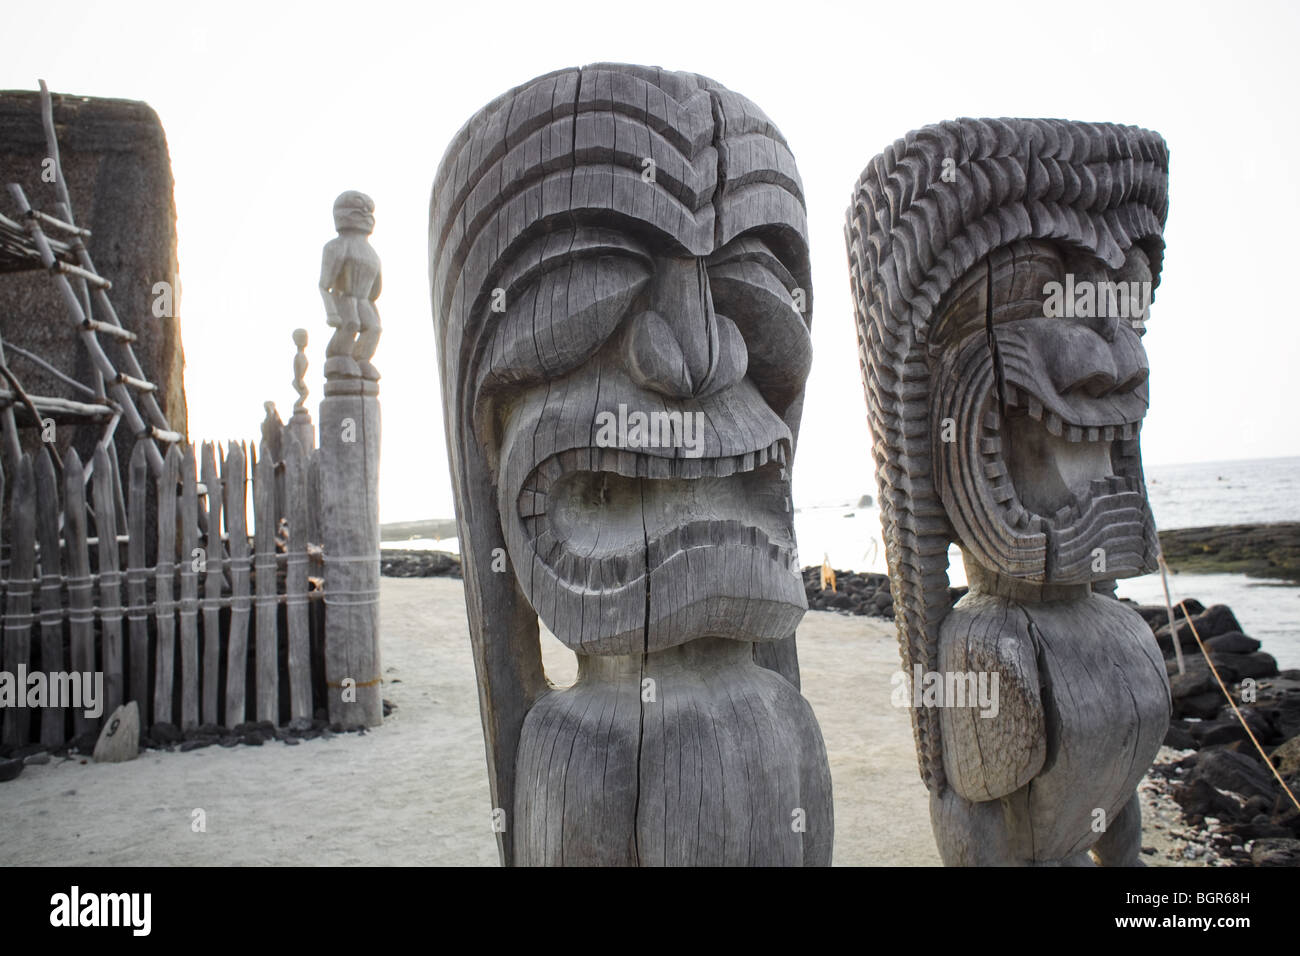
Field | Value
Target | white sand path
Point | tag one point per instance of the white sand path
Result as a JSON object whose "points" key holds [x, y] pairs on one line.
{"points": [[415, 791]]}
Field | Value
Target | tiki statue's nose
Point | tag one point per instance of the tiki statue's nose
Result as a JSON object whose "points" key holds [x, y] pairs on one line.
{"points": [[680, 347]]}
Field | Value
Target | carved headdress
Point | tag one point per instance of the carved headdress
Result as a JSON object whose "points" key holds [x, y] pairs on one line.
{"points": [[936, 203], [595, 164]]}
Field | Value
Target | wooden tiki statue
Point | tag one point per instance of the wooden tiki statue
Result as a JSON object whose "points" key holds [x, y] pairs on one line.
{"points": [[1005, 407], [620, 284]]}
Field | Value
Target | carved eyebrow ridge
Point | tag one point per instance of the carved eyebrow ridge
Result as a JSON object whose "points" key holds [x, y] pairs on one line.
{"points": [[566, 245], [751, 248]]}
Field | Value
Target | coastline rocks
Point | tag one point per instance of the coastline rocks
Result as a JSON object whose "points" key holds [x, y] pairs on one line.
{"points": [[1268, 550], [1213, 621], [1226, 770], [419, 564], [861, 594], [1287, 757], [1233, 642], [165, 733], [1201, 798], [865, 594], [1276, 851], [1225, 790]]}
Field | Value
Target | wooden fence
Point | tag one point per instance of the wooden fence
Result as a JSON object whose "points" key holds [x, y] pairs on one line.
{"points": [[205, 622]]}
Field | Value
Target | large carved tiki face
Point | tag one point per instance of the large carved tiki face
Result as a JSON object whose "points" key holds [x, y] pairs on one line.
{"points": [[620, 282], [1035, 414], [1001, 270]]}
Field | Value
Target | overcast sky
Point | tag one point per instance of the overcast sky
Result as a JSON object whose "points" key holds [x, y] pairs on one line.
{"points": [[273, 109]]}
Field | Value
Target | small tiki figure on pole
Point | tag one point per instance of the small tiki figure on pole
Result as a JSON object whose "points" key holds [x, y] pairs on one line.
{"points": [[349, 285], [300, 370], [300, 424]]}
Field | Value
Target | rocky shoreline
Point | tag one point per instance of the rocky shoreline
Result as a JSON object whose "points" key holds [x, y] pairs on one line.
{"points": [[1215, 774], [398, 563], [1258, 550]]}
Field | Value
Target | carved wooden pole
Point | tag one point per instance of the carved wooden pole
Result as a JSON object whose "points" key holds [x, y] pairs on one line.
{"points": [[349, 467], [621, 303], [300, 423], [1001, 272]]}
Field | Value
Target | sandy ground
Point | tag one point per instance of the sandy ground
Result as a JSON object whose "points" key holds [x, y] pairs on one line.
{"points": [[414, 791]]}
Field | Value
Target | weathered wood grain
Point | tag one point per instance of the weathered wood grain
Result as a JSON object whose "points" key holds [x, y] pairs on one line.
{"points": [[164, 592], [1010, 426], [136, 589], [47, 533], [81, 588], [233, 480], [295, 579], [609, 240], [213, 581], [191, 560], [264, 516], [349, 524], [18, 593], [110, 580]]}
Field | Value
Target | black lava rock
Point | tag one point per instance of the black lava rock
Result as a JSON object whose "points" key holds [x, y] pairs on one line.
{"points": [[1202, 799], [1233, 642], [9, 769], [1213, 621], [1236, 772], [1254, 665], [419, 564], [1179, 738], [1274, 851], [1205, 705], [166, 733]]}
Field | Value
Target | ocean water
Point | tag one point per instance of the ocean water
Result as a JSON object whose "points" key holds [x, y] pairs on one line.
{"points": [[1182, 496]]}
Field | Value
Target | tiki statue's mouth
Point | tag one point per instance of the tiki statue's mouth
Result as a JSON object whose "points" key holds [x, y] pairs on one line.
{"points": [[605, 516], [1057, 467]]}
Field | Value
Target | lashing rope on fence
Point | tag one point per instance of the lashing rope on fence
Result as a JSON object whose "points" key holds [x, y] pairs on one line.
{"points": [[1173, 633], [359, 597], [364, 597], [132, 612]]}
